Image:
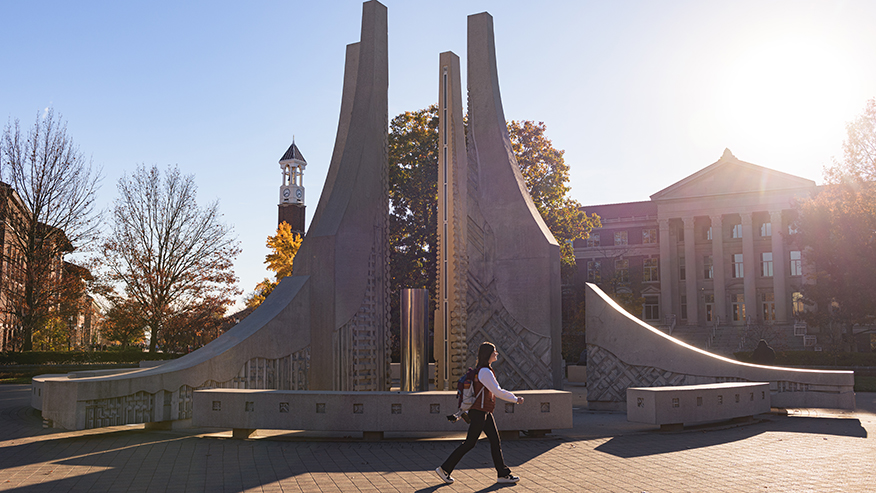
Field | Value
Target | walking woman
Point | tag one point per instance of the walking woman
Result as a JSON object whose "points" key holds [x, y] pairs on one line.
{"points": [[486, 389]]}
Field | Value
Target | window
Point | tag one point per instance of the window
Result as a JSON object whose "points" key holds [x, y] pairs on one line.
{"points": [[649, 272], [737, 231], [708, 268], [622, 270], [766, 229], [769, 306], [796, 263], [683, 307], [738, 308], [620, 238], [738, 272], [797, 303], [682, 273], [651, 308], [766, 264], [593, 240], [710, 307], [681, 234], [707, 233], [649, 236], [593, 271]]}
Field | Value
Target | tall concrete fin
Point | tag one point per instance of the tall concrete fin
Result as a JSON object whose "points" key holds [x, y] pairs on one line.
{"points": [[450, 316], [346, 248], [514, 295], [325, 328]]}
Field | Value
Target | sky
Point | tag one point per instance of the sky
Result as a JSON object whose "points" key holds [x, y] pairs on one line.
{"points": [[639, 94]]}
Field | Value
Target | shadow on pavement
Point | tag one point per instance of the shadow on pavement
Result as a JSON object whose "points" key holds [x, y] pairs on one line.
{"points": [[656, 443], [120, 460]]}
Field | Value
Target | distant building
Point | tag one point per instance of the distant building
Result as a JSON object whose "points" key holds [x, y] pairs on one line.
{"points": [[291, 206], [82, 320], [707, 254]]}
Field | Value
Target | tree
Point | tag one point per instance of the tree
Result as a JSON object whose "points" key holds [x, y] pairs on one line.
{"points": [[47, 205], [284, 246], [835, 227], [171, 256], [124, 323], [194, 327], [546, 175], [413, 216]]}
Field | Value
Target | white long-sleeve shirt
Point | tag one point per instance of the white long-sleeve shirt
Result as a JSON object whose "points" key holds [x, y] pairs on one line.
{"points": [[486, 377]]}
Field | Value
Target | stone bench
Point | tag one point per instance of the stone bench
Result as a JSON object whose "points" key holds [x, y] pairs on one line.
{"points": [[673, 407], [371, 413]]}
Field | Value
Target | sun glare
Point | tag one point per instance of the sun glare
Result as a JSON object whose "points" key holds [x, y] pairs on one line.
{"points": [[790, 90]]}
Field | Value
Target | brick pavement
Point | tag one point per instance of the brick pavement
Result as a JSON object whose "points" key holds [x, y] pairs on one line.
{"points": [[808, 450]]}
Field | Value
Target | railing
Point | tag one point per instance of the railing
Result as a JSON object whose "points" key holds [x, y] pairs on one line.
{"points": [[670, 321], [714, 333], [628, 219]]}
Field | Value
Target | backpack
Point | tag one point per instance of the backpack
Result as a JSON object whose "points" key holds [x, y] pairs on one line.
{"points": [[465, 389]]}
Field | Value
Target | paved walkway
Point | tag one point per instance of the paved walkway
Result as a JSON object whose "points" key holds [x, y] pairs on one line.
{"points": [[807, 450]]}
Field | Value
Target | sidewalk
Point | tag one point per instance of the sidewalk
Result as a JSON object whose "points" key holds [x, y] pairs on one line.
{"points": [[807, 450]]}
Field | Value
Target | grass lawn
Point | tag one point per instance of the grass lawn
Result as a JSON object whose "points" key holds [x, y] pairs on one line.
{"points": [[865, 384]]}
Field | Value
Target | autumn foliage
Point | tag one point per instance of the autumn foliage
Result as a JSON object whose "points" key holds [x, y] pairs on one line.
{"points": [[837, 229]]}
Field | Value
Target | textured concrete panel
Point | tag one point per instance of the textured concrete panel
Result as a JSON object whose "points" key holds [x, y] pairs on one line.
{"points": [[623, 352], [514, 297]]}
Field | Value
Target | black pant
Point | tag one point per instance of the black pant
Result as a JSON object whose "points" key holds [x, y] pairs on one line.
{"points": [[480, 422]]}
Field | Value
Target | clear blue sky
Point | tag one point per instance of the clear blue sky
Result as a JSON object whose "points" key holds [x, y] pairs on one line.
{"points": [[640, 94]]}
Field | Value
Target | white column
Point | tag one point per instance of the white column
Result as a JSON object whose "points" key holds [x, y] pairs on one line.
{"points": [[665, 270], [718, 266], [690, 268], [750, 268], [780, 266]]}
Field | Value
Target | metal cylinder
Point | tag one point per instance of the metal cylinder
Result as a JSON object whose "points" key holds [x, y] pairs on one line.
{"points": [[414, 340]]}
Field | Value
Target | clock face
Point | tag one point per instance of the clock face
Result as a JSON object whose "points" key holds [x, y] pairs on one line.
{"points": [[298, 193], [286, 193]]}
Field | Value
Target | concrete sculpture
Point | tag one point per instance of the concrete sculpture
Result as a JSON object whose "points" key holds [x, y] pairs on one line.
{"points": [[623, 352], [513, 261], [325, 328]]}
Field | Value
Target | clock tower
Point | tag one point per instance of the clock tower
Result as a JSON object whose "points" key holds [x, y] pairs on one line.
{"points": [[291, 206]]}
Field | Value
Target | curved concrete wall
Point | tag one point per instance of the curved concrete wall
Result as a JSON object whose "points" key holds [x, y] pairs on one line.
{"points": [[623, 351], [274, 338]]}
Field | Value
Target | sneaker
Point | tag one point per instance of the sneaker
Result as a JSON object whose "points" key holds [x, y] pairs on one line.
{"points": [[508, 479], [444, 476]]}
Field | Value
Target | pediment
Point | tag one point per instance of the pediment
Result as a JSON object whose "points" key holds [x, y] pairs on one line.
{"points": [[730, 176]]}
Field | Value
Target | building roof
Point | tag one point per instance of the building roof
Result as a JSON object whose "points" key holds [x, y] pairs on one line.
{"points": [[627, 210], [730, 175], [293, 153]]}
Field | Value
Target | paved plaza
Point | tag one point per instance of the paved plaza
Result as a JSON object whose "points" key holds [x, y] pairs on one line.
{"points": [[806, 450]]}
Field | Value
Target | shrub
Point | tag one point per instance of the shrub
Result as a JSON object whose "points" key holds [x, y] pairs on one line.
{"points": [[81, 357], [815, 358]]}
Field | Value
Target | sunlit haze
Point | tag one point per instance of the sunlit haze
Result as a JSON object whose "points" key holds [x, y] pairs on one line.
{"points": [[638, 94]]}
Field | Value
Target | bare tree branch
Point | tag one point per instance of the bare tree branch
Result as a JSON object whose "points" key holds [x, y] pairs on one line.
{"points": [[172, 256]]}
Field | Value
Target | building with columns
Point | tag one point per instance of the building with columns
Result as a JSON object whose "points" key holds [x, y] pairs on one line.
{"points": [[708, 252]]}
